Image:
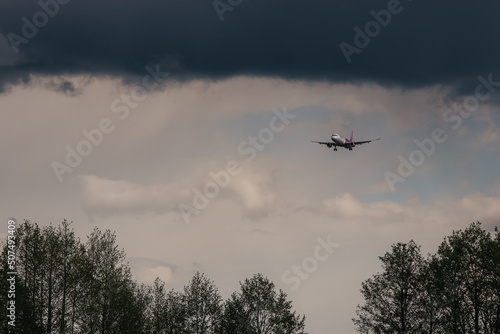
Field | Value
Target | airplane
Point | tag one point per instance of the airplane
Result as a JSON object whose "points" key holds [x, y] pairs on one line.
{"points": [[343, 142]]}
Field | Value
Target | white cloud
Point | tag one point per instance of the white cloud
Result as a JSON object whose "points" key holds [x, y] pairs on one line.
{"points": [[104, 197], [108, 197], [469, 208], [146, 270], [488, 139], [232, 97], [254, 193], [481, 206], [148, 275], [349, 207]]}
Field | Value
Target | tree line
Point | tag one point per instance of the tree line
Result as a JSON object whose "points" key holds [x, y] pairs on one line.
{"points": [[64, 285], [455, 291]]}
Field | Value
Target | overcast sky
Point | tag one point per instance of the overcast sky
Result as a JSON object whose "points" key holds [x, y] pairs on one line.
{"points": [[185, 126]]}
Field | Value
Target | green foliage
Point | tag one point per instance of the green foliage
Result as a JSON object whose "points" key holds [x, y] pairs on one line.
{"points": [[455, 291], [391, 297], [66, 286], [259, 309], [203, 305]]}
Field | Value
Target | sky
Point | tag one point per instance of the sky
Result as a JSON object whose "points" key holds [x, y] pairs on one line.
{"points": [[185, 127]]}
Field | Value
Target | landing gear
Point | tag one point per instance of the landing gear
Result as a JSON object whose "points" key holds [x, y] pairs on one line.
{"points": [[350, 148], [335, 149]]}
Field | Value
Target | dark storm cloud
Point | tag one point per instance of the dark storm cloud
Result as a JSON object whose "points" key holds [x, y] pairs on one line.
{"points": [[425, 42]]}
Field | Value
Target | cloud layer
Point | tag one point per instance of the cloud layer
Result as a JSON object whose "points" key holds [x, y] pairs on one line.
{"points": [[424, 43]]}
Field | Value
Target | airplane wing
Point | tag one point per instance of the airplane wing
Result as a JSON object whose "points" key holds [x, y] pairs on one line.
{"points": [[365, 141], [329, 144]]}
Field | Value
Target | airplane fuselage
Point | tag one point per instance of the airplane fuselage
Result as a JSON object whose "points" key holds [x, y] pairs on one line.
{"points": [[337, 140], [341, 141]]}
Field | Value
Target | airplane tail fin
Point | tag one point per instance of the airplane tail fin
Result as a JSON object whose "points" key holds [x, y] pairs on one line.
{"points": [[352, 132]]}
